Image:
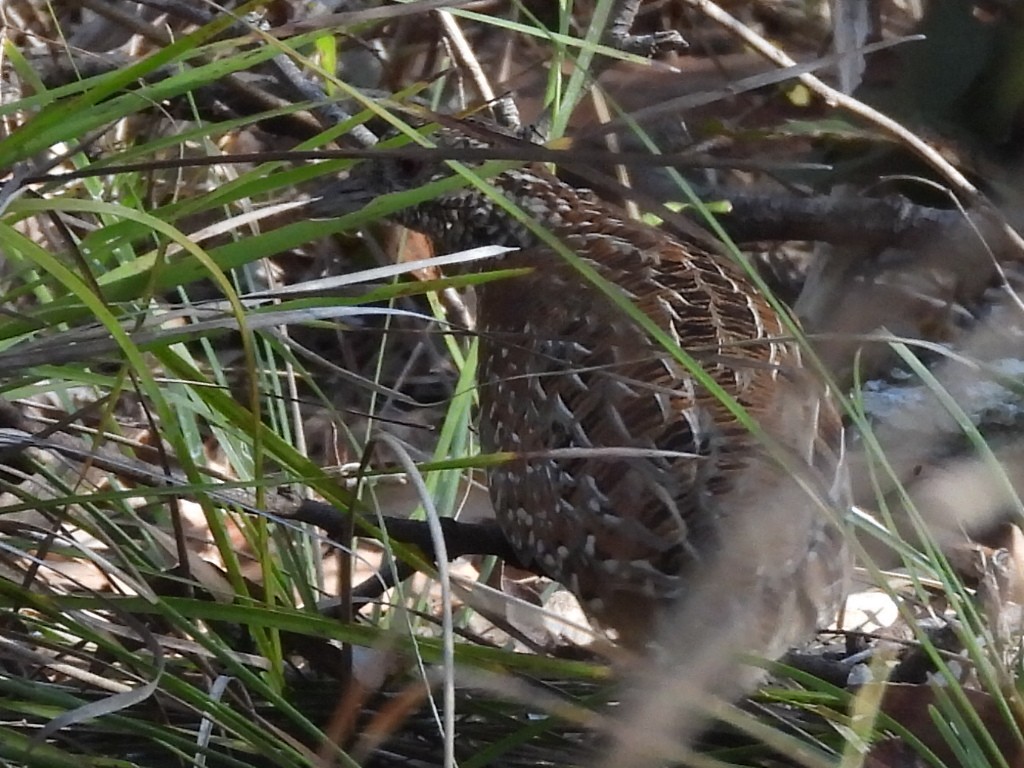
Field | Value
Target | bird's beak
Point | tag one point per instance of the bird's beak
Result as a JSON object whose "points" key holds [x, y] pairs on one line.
{"points": [[338, 198]]}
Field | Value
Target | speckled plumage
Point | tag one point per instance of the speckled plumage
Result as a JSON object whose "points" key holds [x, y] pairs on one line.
{"points": [[631, 475]]}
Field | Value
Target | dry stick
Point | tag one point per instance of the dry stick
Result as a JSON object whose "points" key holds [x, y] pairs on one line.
{"points": [[504, 109], [838, 99], [127, 20], [604, 116], [325, 110]]}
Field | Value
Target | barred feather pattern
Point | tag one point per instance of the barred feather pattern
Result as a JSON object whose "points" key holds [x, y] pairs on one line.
{"points": [[630, 476]]}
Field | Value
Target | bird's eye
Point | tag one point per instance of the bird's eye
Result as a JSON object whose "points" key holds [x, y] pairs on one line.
{"points": [[410, 167]]}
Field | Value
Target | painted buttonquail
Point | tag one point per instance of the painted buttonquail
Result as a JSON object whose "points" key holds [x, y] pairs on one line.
{"points": [[633, 477]]}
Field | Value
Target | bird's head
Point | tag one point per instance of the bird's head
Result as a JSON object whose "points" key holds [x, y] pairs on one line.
{"points": [[457, 210]]}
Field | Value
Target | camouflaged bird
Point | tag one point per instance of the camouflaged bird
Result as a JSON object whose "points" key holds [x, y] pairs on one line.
{"points": [[632, 474]]}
